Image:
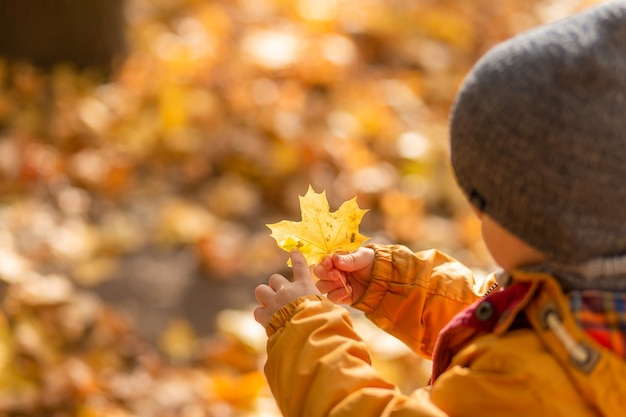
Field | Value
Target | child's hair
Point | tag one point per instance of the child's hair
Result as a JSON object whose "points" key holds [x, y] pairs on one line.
{"points": [[538, 135]]}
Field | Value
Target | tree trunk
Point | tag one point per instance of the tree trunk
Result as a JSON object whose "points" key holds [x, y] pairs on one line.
{"points": [[86, 33]]}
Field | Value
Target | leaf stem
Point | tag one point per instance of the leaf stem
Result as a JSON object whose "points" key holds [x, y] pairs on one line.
{"points": [[342, 278]]}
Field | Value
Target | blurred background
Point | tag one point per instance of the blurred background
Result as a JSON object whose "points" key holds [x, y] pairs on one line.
{"points": [[144, 146]]}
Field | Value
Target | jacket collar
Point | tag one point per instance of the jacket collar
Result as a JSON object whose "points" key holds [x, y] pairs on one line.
{"points": [[597, 373], [591, 367], [492, 314]]}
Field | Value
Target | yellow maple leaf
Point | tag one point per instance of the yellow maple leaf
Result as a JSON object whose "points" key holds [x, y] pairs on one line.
{"points": [[321, 232]]}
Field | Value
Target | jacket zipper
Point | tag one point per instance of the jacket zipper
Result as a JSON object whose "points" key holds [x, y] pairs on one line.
{"points": [[490, 290]]}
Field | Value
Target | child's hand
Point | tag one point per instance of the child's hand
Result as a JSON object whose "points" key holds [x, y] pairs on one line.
{"points": [[281, 291], [344, 277]]}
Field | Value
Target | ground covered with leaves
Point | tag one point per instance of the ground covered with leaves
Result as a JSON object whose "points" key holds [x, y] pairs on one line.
{"points": [[132, 223]]}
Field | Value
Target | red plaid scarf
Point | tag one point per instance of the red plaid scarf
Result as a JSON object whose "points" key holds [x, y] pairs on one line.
{"points": [[602, 315]]}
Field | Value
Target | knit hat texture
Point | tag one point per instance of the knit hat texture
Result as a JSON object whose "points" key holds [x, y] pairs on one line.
{"points": [[538, 135]]}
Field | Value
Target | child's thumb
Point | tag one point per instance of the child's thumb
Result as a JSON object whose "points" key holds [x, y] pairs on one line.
{"points": [[351, 262]]}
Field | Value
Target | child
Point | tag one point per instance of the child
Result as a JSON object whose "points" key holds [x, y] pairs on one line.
{"points": [[538, 145]]}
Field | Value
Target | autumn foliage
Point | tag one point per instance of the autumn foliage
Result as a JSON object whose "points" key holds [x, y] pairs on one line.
{"points": [[320, 231], [221, 116]]}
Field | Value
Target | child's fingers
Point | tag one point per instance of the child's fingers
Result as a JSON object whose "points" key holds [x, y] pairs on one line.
{"points": [[277, 281], [325, 269], [299, 266], [322, 273], [327, 262], [326, 286], [261, 315], [340, 296], [262, 293]]}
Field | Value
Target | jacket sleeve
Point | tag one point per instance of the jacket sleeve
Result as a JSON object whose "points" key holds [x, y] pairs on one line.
{"points": [[317, 366], [413, 295]]}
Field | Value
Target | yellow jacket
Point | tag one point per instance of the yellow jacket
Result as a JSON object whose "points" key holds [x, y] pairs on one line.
{"points": [[485, 362]]}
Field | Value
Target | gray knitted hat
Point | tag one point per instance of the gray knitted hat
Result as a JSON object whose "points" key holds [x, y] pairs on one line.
{"points": [[538, 135]]}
